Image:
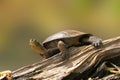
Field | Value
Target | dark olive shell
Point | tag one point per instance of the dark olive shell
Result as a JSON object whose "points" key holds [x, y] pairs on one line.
{"points": [[63, 35]]}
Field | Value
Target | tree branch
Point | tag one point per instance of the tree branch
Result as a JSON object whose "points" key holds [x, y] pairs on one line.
{"points": [[81, 59]]}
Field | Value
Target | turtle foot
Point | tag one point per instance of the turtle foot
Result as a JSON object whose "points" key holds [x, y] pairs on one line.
{"points": [[96, 42], [64, 55]]}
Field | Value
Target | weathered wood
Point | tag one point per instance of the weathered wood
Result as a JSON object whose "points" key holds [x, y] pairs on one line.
{"points": [[81, 59], [111, 77]]}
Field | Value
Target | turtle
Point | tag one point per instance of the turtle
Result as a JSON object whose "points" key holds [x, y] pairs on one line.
{"points": [[61, 41]]}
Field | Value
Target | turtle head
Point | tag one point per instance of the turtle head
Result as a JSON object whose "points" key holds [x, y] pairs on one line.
{"points": [[37, 47]]}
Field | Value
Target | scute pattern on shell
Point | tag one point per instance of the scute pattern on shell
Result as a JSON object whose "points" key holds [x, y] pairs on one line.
{"points": [[63, 34]]}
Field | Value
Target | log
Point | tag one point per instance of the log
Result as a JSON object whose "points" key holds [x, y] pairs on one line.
{"points": [[80, 63]]}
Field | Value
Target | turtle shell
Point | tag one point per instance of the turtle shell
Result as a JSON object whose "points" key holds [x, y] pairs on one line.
{"points": [[63, 35]]}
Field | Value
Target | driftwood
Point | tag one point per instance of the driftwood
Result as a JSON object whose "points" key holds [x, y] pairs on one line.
{"points": [[80, 63]]}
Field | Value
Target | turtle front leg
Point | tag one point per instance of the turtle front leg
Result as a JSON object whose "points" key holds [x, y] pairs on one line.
{"points": [[63, 50]]}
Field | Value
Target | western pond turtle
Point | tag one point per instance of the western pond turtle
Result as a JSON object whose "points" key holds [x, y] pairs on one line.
{"points": [[60, 41]]}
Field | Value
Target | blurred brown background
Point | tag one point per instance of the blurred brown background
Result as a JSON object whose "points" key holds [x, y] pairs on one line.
{"points": [[21, 20]]}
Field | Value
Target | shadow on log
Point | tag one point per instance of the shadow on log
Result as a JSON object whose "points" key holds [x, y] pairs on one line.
{"points": [[81, 62]]}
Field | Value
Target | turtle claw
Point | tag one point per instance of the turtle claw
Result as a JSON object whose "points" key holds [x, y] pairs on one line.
{"points": [[96, 42]]}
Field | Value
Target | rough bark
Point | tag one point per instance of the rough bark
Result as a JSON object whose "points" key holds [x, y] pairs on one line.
{"points": [[81, 61]]}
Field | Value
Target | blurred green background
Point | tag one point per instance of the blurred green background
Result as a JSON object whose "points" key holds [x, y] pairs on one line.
{"points": [[21, 20]]}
